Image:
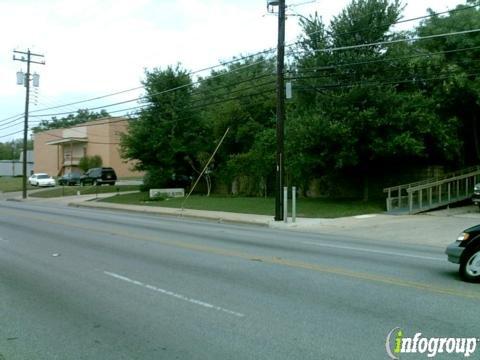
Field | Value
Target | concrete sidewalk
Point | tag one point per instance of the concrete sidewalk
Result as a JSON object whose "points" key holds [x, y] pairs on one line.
{"points": [[437, 228]]}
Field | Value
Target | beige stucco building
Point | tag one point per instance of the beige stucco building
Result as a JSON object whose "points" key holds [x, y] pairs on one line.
{"points": [[58, 151]]}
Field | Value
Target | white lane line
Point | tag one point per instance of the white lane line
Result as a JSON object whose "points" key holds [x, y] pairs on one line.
{"points": [[382, 252], [175, 295]]}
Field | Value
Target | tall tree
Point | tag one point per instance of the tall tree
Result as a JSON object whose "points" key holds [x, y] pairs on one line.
{"points": [[168, 132], [240, 97], [361, 114], [455, 59]]}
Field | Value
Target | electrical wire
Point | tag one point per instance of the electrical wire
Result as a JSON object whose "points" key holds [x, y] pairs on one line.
{"points": [[390, 42], [316, 50], [397, 82], [236, 60]]}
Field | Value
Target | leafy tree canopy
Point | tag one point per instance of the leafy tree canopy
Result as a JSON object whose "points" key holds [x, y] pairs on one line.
{"points": [[11, 150], [168, 133], [82, 116]]}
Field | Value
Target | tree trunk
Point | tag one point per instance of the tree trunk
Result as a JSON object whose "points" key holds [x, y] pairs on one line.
{"points": [[209, 184], [365, 183]]}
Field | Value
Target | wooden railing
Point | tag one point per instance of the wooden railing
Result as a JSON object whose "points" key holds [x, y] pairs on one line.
{"points": [[429, 194]]}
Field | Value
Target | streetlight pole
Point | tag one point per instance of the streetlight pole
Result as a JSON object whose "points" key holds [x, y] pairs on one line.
{"points": [[280, 127], [28, 60]]}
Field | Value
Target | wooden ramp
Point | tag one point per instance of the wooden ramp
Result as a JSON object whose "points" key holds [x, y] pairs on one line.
{"points": [[430, 194]]}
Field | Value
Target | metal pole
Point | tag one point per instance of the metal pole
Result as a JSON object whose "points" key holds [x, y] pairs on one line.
{"points": [[285, 204], [294, 204], [279, 174]]}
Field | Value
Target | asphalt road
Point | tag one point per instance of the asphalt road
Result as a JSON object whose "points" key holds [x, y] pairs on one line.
{"points": [[92, 284]]}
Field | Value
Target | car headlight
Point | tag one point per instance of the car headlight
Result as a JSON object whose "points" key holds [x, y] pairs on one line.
{"points": [[463, 236]]}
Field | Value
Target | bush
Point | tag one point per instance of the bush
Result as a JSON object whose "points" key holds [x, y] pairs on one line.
{"points": [[89, 162], [154, 179], [158, 179]]}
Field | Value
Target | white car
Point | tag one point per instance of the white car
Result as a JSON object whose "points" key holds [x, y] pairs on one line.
{"points": [[41, 179]]}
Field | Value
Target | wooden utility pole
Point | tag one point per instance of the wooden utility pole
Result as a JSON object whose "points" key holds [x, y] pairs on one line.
{"points": [[28, 60], [280, 130]]}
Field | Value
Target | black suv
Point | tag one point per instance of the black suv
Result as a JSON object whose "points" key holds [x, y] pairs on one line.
{"points": [[99, 176]]}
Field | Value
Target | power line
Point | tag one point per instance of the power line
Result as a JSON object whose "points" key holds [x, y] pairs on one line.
{"points": [[236, 60], [167, 91], [397, 82], [316, 50], [307, 70], [14, 133], [384, 74], [15, 120], [464, 8], [262, 76], [389, 42], [427, 54]]}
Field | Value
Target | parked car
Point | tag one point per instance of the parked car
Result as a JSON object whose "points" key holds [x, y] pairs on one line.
{"points": [[41, 179], [99, 176], [32, 179], [466, 252], [69, 179]]}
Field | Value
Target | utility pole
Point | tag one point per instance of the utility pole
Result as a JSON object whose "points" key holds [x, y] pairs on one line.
{"points": [[280, 129], [26, 83]]}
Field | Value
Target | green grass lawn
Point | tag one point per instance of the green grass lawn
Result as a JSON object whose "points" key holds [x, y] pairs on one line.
{"points": [[59, 191], [9, 184], [324, 208]]}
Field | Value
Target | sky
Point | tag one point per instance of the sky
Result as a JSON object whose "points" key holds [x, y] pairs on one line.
{"points": [[96, 47]]}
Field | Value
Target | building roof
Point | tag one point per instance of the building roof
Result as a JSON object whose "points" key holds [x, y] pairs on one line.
{"points": [[67, 140]]}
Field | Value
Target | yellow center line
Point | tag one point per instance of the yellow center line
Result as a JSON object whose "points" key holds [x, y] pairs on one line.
{"points": [[265, 259]]}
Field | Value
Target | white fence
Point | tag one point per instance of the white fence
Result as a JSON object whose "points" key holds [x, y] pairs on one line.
{"points": [[13, 168]]}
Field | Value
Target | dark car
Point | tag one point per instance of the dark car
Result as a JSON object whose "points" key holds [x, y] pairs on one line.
{"points": [[99, 176], [69, 179], [466, 252]]}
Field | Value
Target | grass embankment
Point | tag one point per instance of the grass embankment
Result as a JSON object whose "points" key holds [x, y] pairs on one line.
{"points": [[10, 184], [315, 208], [60, 191]]}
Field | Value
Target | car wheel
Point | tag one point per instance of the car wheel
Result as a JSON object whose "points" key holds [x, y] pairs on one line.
{"points": [[470, 265]]}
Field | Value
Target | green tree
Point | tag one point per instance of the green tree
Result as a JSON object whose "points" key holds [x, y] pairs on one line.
{"points": [[82, 116], [455, 60], [11, 150], [240, 97], [168, 133], [88, 162], [353, 107]]}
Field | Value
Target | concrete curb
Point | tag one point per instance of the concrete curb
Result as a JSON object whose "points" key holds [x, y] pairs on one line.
{"points": [[217, 216]]}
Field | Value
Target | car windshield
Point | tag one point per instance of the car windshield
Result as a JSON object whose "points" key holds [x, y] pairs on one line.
{"points": [[43, 177]]}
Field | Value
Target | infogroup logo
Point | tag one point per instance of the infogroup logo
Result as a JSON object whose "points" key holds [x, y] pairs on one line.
{"points": [[397, 343]]}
